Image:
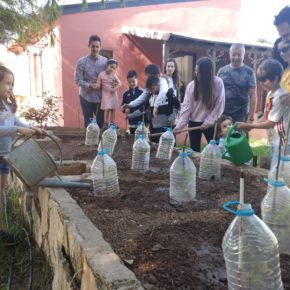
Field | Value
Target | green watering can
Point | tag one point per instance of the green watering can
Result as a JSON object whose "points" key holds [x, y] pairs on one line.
{"points": [[237, 147]]}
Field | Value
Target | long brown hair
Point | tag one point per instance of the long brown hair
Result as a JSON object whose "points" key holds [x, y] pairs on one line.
{"points": [[3, 71], [204, 88], [175, 75]]}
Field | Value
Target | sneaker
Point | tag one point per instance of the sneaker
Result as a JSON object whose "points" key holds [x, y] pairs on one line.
{"points": [[6, 239]]}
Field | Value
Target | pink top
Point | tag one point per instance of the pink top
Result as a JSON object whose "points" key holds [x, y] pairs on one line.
{"points": [[109, 94], [195, 111]]}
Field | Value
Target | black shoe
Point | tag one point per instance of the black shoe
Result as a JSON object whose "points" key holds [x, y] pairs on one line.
{"points": [[6, 239]]}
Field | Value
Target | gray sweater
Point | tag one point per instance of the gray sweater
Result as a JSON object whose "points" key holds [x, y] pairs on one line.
{"points": [[8, 129]]}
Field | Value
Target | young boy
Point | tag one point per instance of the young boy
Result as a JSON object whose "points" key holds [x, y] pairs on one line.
{"points": [[223, 125], [276, 115], [130, 95]]}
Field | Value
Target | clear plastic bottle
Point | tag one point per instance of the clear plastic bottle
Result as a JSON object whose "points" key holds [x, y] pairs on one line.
{"points": [[104, 175], [109, 140], [141, 130], [210, 162], [275, 208], [251, 252], [182, 179], [166, 145], [92, 133], [284, 170], [141, 154]]}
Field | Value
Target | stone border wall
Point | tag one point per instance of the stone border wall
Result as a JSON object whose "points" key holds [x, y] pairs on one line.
{"points": [[80, 257]]}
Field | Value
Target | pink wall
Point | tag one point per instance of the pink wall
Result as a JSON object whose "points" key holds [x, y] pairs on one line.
{"points": [[216, 18]]}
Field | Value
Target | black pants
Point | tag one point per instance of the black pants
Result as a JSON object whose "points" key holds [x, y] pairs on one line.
{"points": [[195, 136], [89, 110]]}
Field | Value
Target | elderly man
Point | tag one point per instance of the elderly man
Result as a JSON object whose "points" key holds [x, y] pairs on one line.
{"points": [[282, 23], [86, 74], [240, 86]]}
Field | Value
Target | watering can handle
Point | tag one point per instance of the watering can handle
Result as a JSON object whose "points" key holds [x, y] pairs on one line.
{"points": [[49, 136], [232, 128]]}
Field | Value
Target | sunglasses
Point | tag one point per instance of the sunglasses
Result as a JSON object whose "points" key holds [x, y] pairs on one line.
{"points": [[284, 49]]}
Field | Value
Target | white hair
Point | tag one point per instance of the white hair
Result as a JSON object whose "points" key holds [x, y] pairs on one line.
{"points": [[238, 46]]}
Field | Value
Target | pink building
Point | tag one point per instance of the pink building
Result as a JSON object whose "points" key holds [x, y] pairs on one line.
{"points": [[148, 32]]}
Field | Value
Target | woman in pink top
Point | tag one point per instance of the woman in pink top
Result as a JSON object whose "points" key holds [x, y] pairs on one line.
{"points": [[108, 82], [203, 103]]}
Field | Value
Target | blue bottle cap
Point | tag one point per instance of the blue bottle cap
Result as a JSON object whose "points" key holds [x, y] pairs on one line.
{"points": [[113, 126], [285, 158], [213, 142], [183, 154], [169, 129], [247, 211], [275, 183], [141, 136], [102, 152]]}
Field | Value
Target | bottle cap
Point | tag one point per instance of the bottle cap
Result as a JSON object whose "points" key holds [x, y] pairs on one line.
{"points": [[183, 154], [275, 183], [169, 129], [246, 211], [212, 142], [102, 152], [141, 136], [285, 158], [113, 126]]}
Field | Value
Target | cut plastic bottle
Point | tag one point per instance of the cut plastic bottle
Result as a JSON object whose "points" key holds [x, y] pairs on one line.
{"points": [[166, 145], [275, 208], [141, 154], [210, 162], [92, 133], [251, 253], [284, 170], [105, 175], [182, 179], [141, 130], [109, 140]]}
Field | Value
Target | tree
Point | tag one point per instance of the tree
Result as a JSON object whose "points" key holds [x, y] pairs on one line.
{"points": [[25, 22]]}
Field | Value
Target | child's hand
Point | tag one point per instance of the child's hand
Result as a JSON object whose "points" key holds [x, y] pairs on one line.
{"points": [[127, 111], [38, 131], [26, 132], [93, 87], [175, 131], [125, 106]]}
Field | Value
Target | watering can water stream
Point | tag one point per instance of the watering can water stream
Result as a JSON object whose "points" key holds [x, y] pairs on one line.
{"points": [[237, 147], [32, 164]]}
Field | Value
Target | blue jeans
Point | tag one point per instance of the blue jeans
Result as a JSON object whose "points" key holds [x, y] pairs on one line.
{"points": [[89, 110]]}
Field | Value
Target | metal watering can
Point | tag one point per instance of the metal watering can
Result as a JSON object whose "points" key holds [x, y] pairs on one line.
{"points": [[237, 147], [32, 163]]}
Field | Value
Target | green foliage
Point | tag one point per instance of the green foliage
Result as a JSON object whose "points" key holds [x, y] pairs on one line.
{"points": [[41, 271], [25, 22], [47, 113]]}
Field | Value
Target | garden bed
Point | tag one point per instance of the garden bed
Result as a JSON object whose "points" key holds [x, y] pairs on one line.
{"points": [[166, 246]]}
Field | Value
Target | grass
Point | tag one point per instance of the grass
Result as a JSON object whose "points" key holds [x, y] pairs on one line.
{"points": [[41, 273]]}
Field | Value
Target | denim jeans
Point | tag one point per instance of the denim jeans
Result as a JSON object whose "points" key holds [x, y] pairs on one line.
{"points": [[89, 110]]}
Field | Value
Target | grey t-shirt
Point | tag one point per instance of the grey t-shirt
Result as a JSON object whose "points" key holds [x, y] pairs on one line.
{"points": [[237, 82]]}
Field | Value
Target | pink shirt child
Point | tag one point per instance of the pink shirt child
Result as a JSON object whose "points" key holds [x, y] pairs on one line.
{"points": [[195, 111], [109, 94]]}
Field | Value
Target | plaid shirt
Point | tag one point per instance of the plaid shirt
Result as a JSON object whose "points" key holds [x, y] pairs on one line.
{"points": [[86, 73]]}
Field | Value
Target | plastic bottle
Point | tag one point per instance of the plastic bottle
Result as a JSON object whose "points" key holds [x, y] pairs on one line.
{"points": [[109, 140], [210, 162], [251, 252], [182, 179], [275, 208], [141, 154], [284, 170], [92, 133], [104, 175], [166, 145], [141, 130]]}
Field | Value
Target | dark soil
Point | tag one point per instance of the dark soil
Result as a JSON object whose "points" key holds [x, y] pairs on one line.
{"points": [[167, 246]]}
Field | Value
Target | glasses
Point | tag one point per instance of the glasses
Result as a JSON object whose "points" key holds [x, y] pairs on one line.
{"points": [[284, 49]]}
